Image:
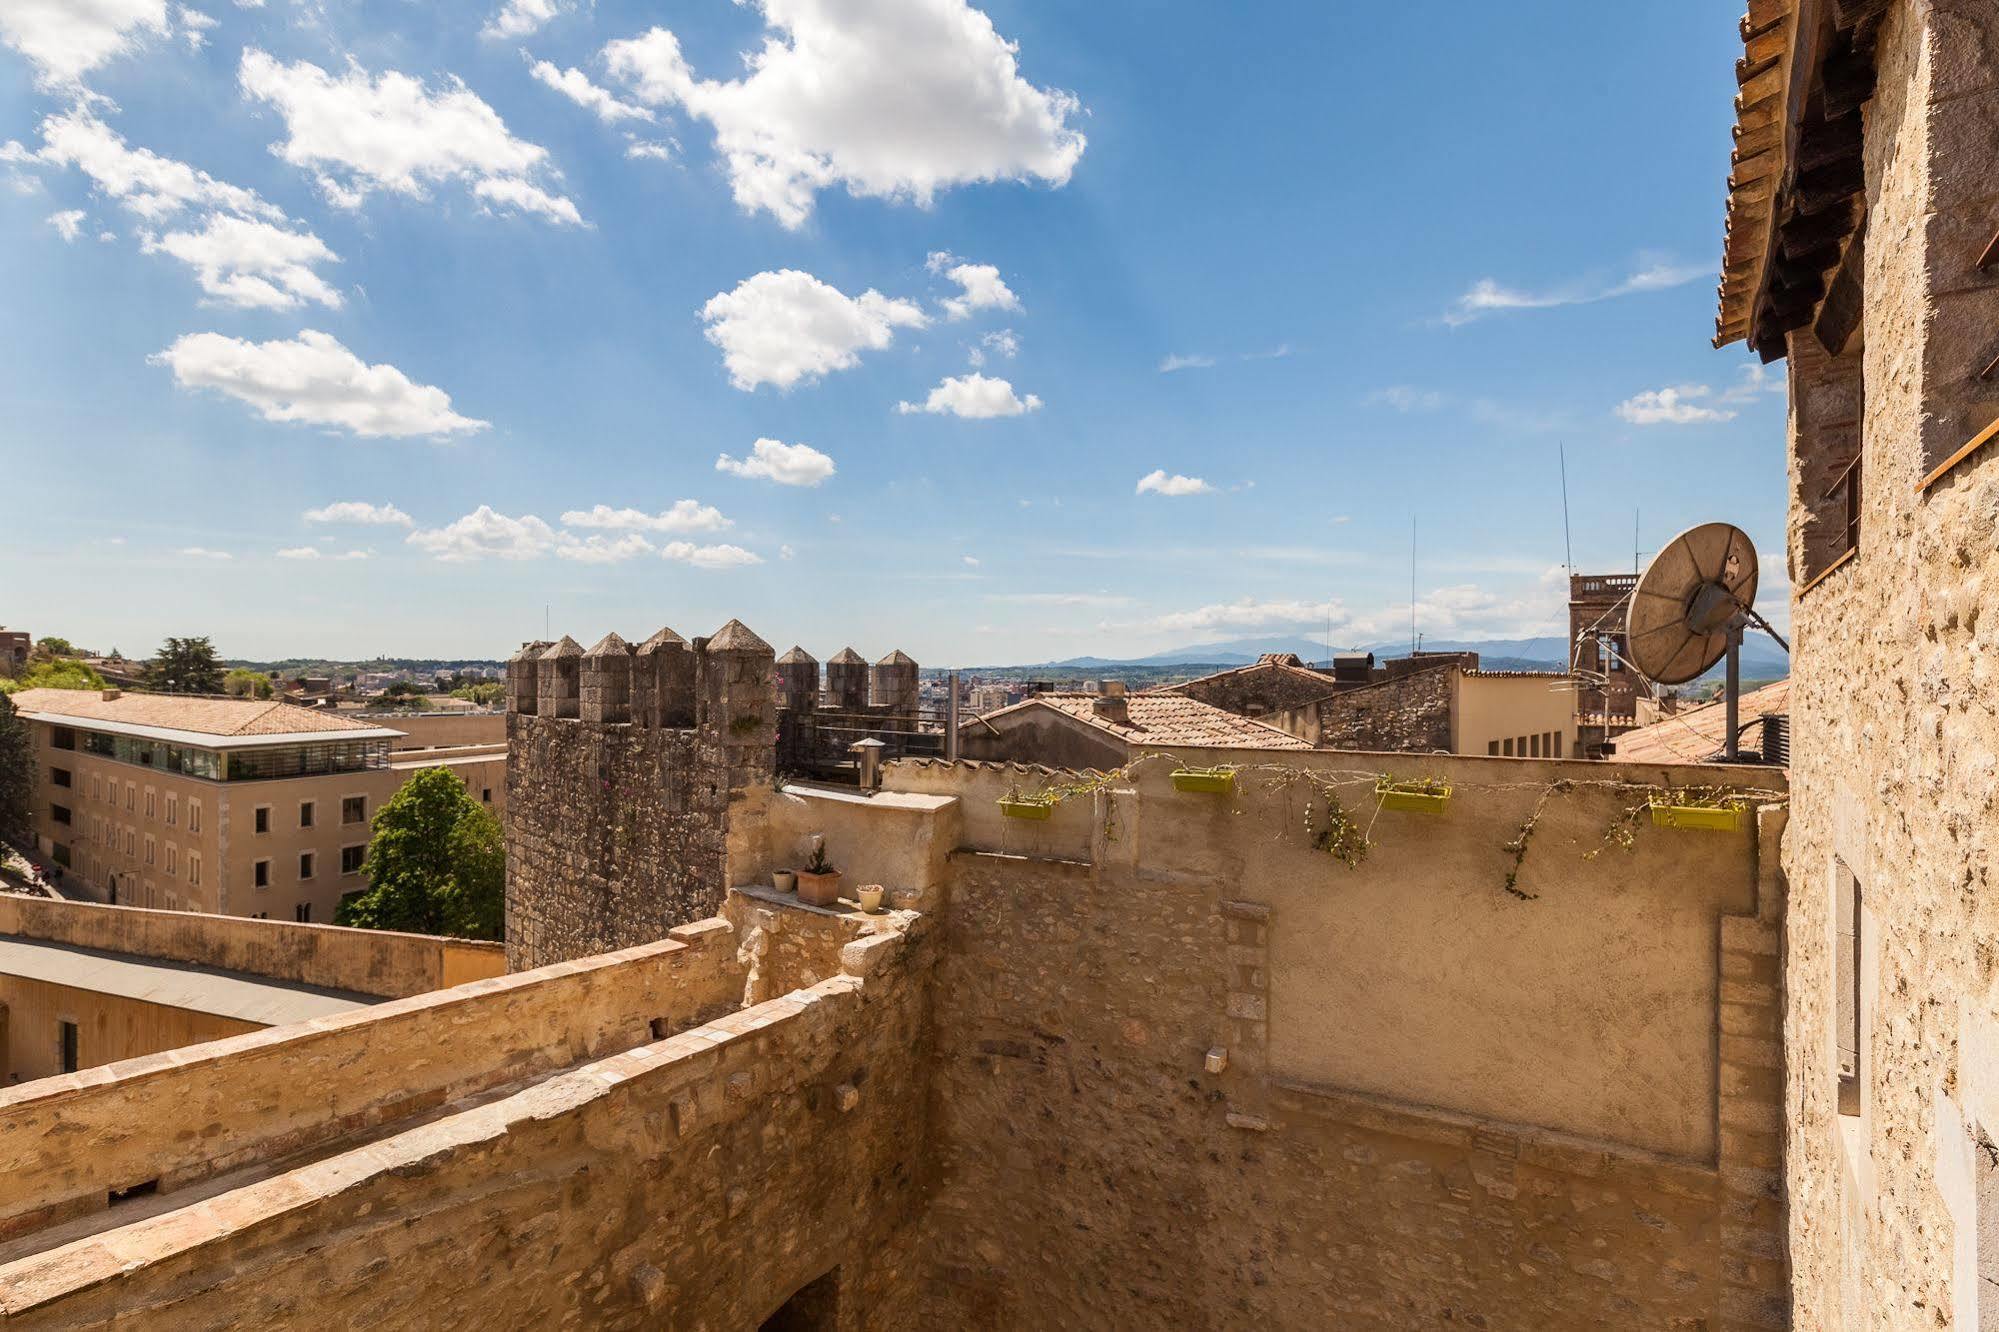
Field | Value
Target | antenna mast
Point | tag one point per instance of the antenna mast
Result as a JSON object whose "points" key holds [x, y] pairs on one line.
{"points": [[1412, 584], [1568, 551]]}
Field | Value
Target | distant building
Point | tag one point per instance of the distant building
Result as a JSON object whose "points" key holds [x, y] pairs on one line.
{"points": [[989, 698], [1607, 689], [1110, 728], [15, 645], [237, 807]]}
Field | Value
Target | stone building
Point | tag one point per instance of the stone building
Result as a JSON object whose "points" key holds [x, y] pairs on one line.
{"points": [[1106, 729], [1860, 249], [1608, 690]]}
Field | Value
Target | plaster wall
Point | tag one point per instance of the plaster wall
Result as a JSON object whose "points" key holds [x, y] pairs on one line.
{"points": [[1505, 707], [432, 730], [109, 1027]]}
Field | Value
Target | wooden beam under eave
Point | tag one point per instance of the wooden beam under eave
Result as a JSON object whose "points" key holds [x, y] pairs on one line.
{"points": [[1765, 85], [1763, 13], [1771, 44]]}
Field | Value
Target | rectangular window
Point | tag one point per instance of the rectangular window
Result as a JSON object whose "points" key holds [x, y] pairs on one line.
{"points": [[305, 865], [352, 858], [59, 776], [1506, 748], [60, 813], [193, 870], [62, 737], [66, 1037], [173, 810], [261, 874], [261, 820], [152, 850], [1846, 984], [152, 803], [194, 816], [1558, 744], [1492, 747], [131, 842], [131, 796], [173, 858], [302, 913], [305, 813], [486, 794], [354, 809], [1533, 746]]}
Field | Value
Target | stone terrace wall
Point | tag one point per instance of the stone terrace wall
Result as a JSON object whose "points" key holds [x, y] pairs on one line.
{"points": [[1411, 714], [368, 961], [189, 1114], [697, 1182], [1257, 691], [1191, 1073]]}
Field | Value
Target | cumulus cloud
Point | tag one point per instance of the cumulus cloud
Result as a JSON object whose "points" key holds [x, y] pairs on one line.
{"points": [[974, 397], [577, 87], [684, 516], [313, 380], [709, 557], [299, 553], [360, 512], [194, 26], [1059, 598], [485, 534], [600, 549], [519, 18], [1673, 406], [980, 286], [251, 264], [1000, 342], [894, 99], [359, 133], [1250, 613], [68, 223], [1157, 482], [140, 180], [648, 149], [1487, 296], [66, 39], [204, 553], [786, 464], [784, 326]]}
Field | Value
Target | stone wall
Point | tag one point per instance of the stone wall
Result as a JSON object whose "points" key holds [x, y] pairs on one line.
{"points": [[1260, 690], [1411, 714], [369, 961], [1894, 741]]}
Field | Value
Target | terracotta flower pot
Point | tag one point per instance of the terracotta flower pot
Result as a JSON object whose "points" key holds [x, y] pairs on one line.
{"points": [[819, 889], [784, 880]]}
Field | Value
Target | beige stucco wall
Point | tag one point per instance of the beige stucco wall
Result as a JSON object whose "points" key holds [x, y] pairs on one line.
{"points": [[432, 730], [108, 1028], [1499, 708]]}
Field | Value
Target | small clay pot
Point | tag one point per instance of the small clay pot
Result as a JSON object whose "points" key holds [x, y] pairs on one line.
{"points": [[871, 898], [819, 889], [784, 880]]}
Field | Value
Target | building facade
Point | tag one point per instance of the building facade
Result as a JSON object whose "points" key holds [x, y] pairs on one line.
{"points": [[229, 806]]}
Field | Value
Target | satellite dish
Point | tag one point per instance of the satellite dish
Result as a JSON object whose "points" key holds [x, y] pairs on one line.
{"points": [[1688, 607]]}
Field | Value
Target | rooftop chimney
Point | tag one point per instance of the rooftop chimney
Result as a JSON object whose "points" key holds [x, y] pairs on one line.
{"points": [[109, 694], [1110, 703]]}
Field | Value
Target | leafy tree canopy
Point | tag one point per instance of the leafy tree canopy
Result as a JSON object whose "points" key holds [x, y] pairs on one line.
{"points": [[437, 864], [61, 673], [240, 683], [185, 666], [17, 775], [485, 695], [53, 645]]}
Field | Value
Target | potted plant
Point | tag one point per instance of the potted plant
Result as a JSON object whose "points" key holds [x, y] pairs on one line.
{"points": [[784, 880], [1424, 795], [1710, 811], [819, 882], [871, 898], [1210, 781], [1036, 805]]}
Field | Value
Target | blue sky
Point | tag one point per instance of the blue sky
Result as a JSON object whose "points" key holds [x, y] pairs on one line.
{"points": [[1316, 270]]}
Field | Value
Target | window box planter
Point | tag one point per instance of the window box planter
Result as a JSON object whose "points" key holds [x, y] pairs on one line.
{"points": [[1208, 781], [1708, 818], [1413, 797], [1027, 807]]}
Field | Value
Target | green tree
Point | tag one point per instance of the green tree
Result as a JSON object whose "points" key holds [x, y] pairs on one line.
{"points": [[185, 666], [485, 695], [59, 674], [52, 645], [437, 863], [243, 683], [17, 776]]}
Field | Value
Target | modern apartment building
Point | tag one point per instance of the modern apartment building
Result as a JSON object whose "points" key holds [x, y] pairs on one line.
{"points": [[232, 806]]}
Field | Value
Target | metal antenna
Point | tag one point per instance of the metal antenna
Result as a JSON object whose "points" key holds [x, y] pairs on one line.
{"points": [[1412, 584], [1568, 550]]}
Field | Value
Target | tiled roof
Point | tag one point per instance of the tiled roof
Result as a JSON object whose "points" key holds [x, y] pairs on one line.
{"points": [[1696, 736], [177, 712], [1166, 719]]}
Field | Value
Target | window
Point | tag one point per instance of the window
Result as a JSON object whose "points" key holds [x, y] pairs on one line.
{"points": [[173, 858], [1846, 984], [96, 787], [305, 813], [193, 870], [1534, 746], [194, 816], [131, 842], [1506, 748], [152, 803], [486, 794], [60, 813], [152, 850], [354, 809], [1558, 744], [60, 854], [66, 1038], [1492, 747], [59, 776], [302, 913], [62, 737], [173, 810], [305, 865], [261, 822], [261, 873], [351, 859], [131, 795]]}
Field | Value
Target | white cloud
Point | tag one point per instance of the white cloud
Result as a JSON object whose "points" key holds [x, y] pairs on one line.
{"points": [[709, 557], [1159, 483], [1001, 342], [298, 553], [974, 397], [1249, 613], [784, 326], [599, 549], [484, 534], [1059, 598], [361, 512], [684, 516], [971, 561], [649, 149], [894, 99], [786, 464], [980, 286], [251, 264], [194, 26], [204, 553], [66, 39], [1195, 361], [145, 183], [1404, 398], [1487, 296], [1672, 406], [785, 552], [577, 87], [69, 223], [359, 133], [313, 380], [518, 18]]}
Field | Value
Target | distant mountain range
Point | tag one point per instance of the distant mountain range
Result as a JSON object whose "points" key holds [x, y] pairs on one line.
{"points": [[1761, 658]]}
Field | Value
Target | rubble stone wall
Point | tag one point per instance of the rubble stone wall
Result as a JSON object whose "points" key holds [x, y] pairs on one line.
{"points": [[1411, 714]]}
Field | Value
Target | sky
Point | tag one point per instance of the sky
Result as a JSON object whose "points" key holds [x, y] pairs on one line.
{"points": [[994, 334]]}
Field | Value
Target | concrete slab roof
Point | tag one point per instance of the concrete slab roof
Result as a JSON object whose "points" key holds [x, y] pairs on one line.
{"points": [[228, 994]]}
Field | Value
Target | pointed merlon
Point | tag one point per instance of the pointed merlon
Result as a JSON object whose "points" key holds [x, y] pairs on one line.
{"points": [[735, 636], [530, 651], [567, 647], [664, 638], [798, 656], [897, 658], [610, 645], [846, 657]]}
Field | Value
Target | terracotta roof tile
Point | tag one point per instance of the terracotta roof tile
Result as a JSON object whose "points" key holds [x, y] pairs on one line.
{"points": [[1697, 735], [178, 712], [1167, 719]]}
